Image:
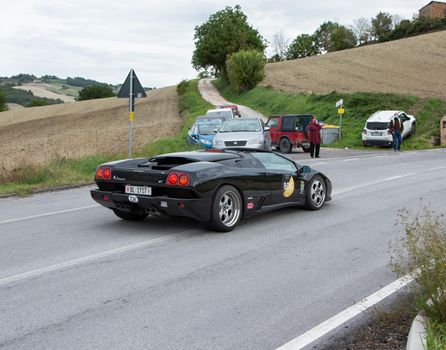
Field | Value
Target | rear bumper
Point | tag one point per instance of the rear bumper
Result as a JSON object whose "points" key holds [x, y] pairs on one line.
{"points": [[377, 142], [197, 208]]}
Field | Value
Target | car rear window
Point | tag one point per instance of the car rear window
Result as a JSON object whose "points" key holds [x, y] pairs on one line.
{"points": [[377, 125]]}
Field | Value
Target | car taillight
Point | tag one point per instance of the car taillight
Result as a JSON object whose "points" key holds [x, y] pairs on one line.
{"points": [[172, 179], [181, 179], [104, 173], [364, 131]]}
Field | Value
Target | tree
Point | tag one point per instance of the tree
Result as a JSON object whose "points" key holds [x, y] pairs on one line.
{"points": [[362, 29], [334, 36], [382, 24], [245, 69], [280, 46], [342, 38], [303, 46], [322, 35], [95, 91], [3, 106], [225, 32]]}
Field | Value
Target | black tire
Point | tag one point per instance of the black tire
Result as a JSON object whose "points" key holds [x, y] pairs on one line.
{"points": [[285, 146], [131, 216], [226, 210], [316, 193], [306, 149]]}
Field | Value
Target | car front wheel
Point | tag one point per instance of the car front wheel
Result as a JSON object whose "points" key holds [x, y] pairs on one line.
{"points": [[316, 193], [226, 209], [132, 216]]}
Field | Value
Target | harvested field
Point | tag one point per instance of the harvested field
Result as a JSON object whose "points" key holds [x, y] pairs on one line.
{"points": [[413, 66], [37, 135], [40, 90]]}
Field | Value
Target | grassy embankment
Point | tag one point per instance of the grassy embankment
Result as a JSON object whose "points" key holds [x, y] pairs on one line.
{"points": [[358, 107], [69, 172]]}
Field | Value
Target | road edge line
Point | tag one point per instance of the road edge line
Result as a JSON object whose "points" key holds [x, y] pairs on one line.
{"points": [[346, 315]]}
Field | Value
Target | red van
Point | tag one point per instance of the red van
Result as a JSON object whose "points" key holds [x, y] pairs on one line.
{"points": [[288, 131]]}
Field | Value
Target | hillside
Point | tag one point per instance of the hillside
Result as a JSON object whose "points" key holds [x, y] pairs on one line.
{"points": [[44, 90], [39, 134], [414, 66]]}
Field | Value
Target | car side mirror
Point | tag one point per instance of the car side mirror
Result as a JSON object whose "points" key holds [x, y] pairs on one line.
{"points": [[215, 131], [266, 128], [305, 169]]}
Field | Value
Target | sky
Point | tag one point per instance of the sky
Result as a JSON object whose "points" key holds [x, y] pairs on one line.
{"points": [[104, 39]]}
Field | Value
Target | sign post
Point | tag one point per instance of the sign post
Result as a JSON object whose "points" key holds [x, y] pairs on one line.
{"points": [[131, 88], [341, 111]]}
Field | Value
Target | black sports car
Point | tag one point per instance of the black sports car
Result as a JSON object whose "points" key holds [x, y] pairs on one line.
{"points": [[215, 187]]}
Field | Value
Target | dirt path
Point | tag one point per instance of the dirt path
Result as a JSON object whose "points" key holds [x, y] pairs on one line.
{"points": [[211, 95]]}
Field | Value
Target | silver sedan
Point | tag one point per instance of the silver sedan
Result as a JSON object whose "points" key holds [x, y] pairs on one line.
{"points": [[243, 133]]}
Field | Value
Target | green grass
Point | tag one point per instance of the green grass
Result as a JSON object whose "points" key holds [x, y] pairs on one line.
{"points": [[358, 107], [68, 172], [436, 336]]}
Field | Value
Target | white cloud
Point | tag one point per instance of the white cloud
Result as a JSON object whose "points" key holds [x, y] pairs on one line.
{"points": [[104, 39]]}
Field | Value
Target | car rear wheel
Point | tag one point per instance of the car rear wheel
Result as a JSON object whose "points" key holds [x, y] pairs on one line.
{"points": [[306, 149], [226, 209], [132, 216], [285, 146], [316, 193]]}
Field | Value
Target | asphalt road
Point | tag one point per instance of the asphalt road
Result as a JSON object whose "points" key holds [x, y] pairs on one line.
{"points": [[74, 276]]}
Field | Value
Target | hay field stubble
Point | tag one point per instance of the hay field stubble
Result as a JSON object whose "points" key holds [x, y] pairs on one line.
{"points": [[37, 135]]}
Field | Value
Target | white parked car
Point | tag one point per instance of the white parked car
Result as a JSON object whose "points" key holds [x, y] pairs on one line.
{"points": [[223, 113], [243, 133], [376, 129]]}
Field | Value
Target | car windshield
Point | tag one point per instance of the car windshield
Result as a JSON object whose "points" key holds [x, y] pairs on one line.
{"points": [[241, 125], [225, 114], [211, 119], [208, 129], [377, 125]]}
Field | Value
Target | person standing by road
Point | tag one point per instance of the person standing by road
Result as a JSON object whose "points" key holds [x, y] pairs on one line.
{"points": [[314, 136], [396, 129]]}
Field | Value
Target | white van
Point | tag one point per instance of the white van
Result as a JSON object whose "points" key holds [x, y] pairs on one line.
{"points": [[376, 128], [224, 113]]}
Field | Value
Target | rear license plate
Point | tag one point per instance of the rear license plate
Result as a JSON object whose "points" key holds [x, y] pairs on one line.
{"points": [[305, 144], [376, 134], [145, 191]]}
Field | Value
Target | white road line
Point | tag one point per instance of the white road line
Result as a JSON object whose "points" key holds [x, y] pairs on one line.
{"points": [[48, 214], [377, 182], [351, 159], [327, 326], [437, 168], [399, 177], [86, 259]]}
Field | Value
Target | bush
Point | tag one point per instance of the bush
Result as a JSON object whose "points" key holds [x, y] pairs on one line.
{"points": [[95, 91], [182, 87], [37, 102], [245, 70], [3, 106], [422, 252]]}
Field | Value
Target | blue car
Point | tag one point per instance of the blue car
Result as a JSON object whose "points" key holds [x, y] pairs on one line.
{"points": [[202, 134]]}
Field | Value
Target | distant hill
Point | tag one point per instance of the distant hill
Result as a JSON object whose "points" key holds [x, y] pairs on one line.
{"points": [[413, 66], [24, 88]]}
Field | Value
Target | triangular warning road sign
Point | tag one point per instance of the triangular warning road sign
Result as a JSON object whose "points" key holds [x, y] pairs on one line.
{"points": [[137, 89]]}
